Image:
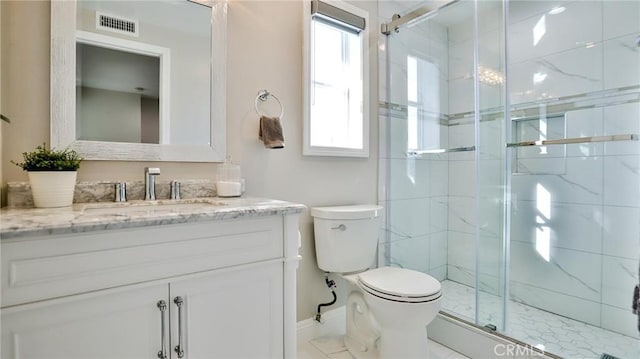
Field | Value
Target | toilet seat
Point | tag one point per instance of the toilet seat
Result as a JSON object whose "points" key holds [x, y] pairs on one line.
{"points": [[399, 284]]}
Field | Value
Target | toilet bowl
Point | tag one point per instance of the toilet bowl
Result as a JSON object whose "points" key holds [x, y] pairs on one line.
{"points": [[388, 308]]}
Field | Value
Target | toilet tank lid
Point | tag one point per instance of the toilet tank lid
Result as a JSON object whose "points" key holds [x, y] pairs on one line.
{"points": [[362, 211]]}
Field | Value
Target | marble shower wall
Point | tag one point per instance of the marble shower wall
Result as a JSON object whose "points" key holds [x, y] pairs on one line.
{"points": [[575, 233], [575, 212]]}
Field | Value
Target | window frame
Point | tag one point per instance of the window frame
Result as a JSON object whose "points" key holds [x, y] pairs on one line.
{"points": [[309, 150]]}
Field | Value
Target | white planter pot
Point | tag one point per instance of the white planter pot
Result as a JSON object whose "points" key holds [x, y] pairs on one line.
{"points": [[52, 188]]}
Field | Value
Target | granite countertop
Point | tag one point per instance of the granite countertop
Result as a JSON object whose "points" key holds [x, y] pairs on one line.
{"points": [[85, 217]]}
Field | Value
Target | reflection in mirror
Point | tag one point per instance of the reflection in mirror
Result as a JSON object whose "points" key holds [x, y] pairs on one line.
{"points": [[175, 29], [117, 95], [139, 80]]}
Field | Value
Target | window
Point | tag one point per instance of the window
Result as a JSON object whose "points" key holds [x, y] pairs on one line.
{"points": [[336, 81]]}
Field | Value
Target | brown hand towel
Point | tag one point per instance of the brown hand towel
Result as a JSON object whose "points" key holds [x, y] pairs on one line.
{"points": [[271, 132]]}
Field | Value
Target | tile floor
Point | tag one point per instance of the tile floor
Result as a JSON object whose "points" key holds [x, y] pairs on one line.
{"points": [[559, 335], [332, 347]]}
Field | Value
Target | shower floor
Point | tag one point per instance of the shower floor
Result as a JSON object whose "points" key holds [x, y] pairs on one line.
{"points": [[556, 334]]}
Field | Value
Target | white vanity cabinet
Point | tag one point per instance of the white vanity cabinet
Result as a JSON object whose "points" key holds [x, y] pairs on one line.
{"points": [[228, 289], [235, 314], [117, 324]]}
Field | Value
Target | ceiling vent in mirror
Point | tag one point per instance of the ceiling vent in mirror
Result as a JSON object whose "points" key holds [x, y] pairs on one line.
{"points": [[116, 24]]}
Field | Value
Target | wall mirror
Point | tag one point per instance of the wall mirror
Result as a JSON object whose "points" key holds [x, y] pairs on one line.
{"points": [[139, 80]]}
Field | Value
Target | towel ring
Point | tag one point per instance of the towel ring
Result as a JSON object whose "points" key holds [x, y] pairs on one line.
{"points": [[263, 95]]}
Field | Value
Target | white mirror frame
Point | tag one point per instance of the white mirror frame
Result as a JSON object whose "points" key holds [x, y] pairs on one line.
{"points": [[63, 90]]}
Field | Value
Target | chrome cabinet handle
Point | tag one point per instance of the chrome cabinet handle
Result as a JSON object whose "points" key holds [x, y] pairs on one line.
{"points": [[162, 305], [179, 349]]}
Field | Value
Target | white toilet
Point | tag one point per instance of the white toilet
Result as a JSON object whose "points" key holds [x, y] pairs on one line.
{"points": [[388, 308]]}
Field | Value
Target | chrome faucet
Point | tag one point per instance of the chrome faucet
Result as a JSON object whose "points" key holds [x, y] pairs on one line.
{"points": [[150, 174], [121, 192], [175, 190]]}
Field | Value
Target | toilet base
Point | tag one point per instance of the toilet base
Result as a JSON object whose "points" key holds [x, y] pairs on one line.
{"points": [[366, 339], [392, 343], [405, 343], [362, 331]]}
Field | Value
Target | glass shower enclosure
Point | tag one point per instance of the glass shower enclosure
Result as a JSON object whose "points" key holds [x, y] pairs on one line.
{"points": [[511, 170]]}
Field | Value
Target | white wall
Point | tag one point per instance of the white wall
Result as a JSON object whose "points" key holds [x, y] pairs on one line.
{"points": [[264, 51]]}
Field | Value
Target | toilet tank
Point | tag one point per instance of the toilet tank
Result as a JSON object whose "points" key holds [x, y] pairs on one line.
{"points": [[346, 237]]}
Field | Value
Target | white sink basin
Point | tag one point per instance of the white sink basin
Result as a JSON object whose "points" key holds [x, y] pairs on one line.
{"points": [[150, 206]]}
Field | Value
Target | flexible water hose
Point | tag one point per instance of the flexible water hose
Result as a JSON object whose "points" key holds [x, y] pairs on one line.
{"points": [[330, 284]]}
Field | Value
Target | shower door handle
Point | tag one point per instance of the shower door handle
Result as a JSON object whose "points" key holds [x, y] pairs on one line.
{"points": [[569, 141]]}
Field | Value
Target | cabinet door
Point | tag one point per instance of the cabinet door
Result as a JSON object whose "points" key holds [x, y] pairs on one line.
{"points": [[120, 323], [230, 313]]}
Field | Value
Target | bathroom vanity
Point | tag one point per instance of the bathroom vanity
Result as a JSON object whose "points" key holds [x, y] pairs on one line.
{"points": [[195, 279]]}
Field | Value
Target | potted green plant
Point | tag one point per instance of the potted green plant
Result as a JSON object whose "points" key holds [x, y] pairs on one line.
{"points": [[52, 175]]}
